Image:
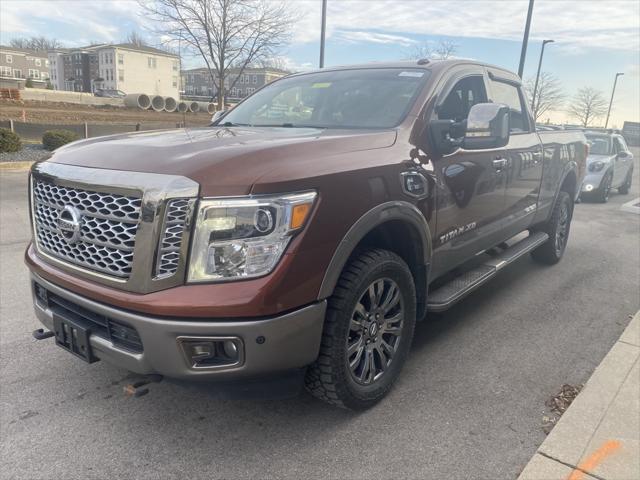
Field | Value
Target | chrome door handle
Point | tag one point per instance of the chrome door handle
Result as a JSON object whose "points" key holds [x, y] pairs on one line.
{"points": [[537, 156], [499, 163]]}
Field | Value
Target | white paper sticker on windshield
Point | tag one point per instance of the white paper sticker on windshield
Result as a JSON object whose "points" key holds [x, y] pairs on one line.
{"points": [[411, 74]]}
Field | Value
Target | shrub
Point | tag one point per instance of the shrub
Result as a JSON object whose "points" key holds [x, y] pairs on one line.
{"points": [[29, 83], [9, 141], [53, 139]]}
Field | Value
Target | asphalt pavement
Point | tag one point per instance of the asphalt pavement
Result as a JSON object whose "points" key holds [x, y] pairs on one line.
{"points": [[469, 403]]}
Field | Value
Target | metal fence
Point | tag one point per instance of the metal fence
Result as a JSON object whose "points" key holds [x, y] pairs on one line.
{"points": [[34, 131]]}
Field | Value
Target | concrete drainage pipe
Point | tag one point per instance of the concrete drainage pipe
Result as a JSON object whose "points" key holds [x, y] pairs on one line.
{"points": [[182, 107], [194, 107], [210, 108], [170, 104], [157, 103], [139, 100]]}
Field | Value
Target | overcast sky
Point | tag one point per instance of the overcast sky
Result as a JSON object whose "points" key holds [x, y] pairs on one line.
{"points": [[593, 39]]}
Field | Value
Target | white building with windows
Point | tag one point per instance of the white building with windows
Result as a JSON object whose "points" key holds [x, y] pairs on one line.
{"points": [[138, 69]]}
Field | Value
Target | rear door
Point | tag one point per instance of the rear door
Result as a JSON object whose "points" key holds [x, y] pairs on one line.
{"points": [[524, 154], [471, 182]]}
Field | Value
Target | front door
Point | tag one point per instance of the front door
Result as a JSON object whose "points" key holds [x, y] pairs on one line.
{"points": [[525, 157], [471, 185], [622, 163]]}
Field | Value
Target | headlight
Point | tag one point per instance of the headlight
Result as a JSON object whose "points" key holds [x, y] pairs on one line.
{"points": [[245, 237], [596, 166]]}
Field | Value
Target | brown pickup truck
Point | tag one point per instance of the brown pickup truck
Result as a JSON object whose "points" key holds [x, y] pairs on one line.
{"points": [[306, 230]]}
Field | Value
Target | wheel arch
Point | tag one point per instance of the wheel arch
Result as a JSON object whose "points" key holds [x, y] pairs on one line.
{"points": [[396, 226]]}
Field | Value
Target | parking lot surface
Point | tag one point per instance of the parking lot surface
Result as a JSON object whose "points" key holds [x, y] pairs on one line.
{"points": [[469, 403]]}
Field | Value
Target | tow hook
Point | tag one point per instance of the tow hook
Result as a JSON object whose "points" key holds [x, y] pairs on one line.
{"points": [[137, 388], [41, 334]]}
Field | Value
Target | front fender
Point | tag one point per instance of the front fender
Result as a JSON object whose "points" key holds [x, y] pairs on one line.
{"points": [[385, 212]]}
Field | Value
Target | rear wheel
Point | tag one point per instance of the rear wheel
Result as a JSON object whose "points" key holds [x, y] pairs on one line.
{"points": [[626, 186], [367, 333], [557, 228]]}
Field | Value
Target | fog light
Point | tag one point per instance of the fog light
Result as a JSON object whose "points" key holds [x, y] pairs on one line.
{"points": [[230, 349], [588, 187], [211, 352]]}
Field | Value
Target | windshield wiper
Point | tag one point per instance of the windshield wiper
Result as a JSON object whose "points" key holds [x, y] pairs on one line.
{"points": [[232, 124], [288, 125]]}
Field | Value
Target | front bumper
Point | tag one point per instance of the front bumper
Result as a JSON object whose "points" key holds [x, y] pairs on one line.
{"points": [[271, 345], [592, 181]]}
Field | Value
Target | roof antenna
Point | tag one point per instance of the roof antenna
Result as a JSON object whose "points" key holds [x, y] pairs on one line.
{"points": [[423, 61]]}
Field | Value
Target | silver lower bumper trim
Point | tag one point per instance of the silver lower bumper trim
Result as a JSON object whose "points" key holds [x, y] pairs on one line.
{"points": [[289, 341]]}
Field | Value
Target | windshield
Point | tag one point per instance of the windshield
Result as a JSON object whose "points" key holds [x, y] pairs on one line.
{"points": [[361, 98], [599, 144]]}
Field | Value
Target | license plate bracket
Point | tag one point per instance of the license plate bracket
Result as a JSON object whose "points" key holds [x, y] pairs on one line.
{"points": [[73, 337]]}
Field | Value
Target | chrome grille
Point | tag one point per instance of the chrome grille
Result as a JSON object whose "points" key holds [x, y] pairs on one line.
{"points": [[107, 229], [175, 223]]}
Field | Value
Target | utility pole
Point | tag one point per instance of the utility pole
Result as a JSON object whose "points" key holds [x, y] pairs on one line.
{"points": [[323, 29], [525, 40], [535, 88], [613, 92]]}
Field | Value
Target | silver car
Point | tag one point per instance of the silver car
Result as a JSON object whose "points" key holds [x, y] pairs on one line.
{"points": [[609, 165]]}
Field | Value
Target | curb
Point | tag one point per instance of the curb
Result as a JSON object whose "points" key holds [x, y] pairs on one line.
{"points": [[596, 438], [15, 166]]}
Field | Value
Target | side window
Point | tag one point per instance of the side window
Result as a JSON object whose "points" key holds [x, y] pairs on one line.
{"points": [[620, 145], [464, 95], [510, 96]]}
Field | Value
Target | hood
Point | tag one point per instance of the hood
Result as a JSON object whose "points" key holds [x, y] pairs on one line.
{"points": [[224, 161], [599, 158]]}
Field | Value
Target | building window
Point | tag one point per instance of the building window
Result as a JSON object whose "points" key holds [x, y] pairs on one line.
{"points": [[175, 65], [34, 73], [121, 59], [9, 58], [175, 81], [17, 73], [44, 76], [38, 62], [46, 63], [121, 75], [246, 78], [254, 79], [151, 62], [5, 71]]}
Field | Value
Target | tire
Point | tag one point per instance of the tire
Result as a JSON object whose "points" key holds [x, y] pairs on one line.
{"points": [[558, 227], [340, 376], [602, 195], [626, 186]]}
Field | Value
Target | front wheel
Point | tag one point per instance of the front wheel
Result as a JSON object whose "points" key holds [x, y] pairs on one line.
{"points": [[367, 333], [558, 226], [605, 189]]}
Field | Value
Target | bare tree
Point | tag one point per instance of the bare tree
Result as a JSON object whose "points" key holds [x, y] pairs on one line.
{"points": [[135, 38], [35, 43], [587, 105], [225, 33], [549, 96], [443, 50]]}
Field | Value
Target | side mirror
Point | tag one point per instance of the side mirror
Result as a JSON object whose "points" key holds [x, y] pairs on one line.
{"points": [[217, 115], [623, 154], [487, 127]]}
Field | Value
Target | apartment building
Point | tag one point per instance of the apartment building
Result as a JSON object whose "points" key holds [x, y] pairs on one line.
{"points": [[20, 64], [198, 82], [136, 69]]}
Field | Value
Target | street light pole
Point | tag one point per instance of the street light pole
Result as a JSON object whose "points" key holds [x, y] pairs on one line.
{"points": [[613, 92], [323, 31], [535, 88], [525, 40]]}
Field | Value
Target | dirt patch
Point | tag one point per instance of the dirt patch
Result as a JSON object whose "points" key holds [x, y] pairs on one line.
{"points": [[558, 404], [71, 113]]}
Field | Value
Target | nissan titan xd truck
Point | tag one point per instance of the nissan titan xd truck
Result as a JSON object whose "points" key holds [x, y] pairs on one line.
{"points": [[307, 229]]}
